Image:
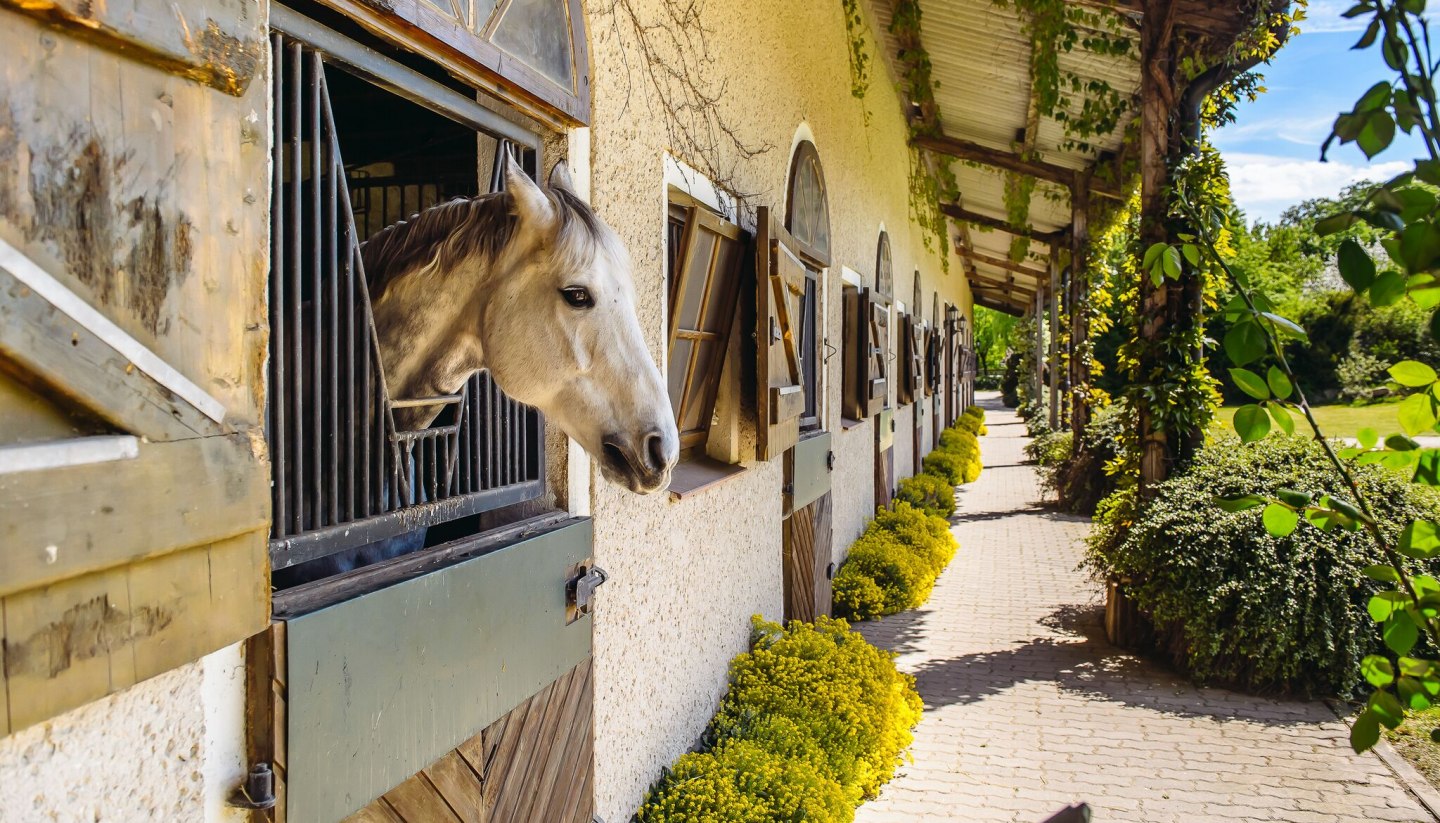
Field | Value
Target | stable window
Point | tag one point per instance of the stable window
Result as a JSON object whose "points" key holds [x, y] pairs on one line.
{"points": [[704, 258], [807, 219], [866, 339], [351, 486]]}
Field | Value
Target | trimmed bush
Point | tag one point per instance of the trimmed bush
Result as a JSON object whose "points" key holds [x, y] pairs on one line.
{"points": [[740, 780], [815, 720], [1230, 602], [929, 493], [902, 577], [894, 564], [973, 420], [957, 459], [948, 465]]}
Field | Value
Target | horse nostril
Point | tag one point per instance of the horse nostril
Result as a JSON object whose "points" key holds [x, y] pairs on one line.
{"points": [[614, 455], [655, 452]]}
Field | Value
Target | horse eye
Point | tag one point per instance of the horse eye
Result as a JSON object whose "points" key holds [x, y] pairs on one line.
{"points": [[578, 297]]}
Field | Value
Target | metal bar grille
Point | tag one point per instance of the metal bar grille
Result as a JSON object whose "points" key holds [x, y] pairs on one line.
{"points": [[344, 476]]}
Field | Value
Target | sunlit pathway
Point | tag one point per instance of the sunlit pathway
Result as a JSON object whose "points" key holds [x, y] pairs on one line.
{"points": [[1028, 708]]}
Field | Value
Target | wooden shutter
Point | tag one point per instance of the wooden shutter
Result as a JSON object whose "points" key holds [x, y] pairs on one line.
{"points": [[779, 287], [705, 281], [933, 361], [877, 383], [864, 384], [134, 500], [912, 361]]}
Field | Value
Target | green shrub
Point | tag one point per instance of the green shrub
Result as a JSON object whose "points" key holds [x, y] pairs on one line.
{"points": [[975, 410], [902, 576], [973, 420], [1050, 453], [855, 596], [957, 459], [945, 464], [926, 535], [739, 780], [927, 492], [1232, 603], [845, 702]]}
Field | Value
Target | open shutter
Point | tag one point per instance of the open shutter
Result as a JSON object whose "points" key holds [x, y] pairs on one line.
{"points": [[877, 384], [704, 284], [932, 361], [779, 287], [911, 361]]}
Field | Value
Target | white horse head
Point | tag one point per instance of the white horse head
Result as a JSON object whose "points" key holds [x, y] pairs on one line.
{"points": [[530, 284]]}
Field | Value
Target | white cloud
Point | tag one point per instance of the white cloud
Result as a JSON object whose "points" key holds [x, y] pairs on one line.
{"points": [[1324, 16], [1265, 185]]}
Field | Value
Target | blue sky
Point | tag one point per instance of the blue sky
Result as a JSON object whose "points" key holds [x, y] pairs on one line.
{"points": [[1273, 148]]}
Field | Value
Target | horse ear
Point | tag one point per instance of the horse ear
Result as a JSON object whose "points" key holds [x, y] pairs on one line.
{"points": [[531, 204], [560, 177]]}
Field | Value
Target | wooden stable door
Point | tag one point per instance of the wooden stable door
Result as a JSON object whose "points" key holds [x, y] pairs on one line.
{"points": [[806, 542], [884, 457]]}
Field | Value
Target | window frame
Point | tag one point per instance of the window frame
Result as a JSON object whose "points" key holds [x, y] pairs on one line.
{"points": [[817, 261]]}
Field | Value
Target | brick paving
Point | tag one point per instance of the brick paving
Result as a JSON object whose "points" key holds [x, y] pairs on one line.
{"points": [[1028, 708]]}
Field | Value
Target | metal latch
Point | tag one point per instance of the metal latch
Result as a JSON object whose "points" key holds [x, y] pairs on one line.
{"points": [[580, 591]]}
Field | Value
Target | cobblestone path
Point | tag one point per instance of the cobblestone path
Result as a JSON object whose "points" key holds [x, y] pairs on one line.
{"points": [[1028, 708]]}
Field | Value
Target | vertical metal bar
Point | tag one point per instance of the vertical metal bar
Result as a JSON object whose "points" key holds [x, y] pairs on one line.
{"points": [[332, 273], [317, 342], [367, 408], [352, 470], [278, 394], [297, 269], [493, 433]]}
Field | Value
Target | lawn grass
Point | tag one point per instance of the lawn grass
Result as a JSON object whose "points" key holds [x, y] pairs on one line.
{"points": [[1338, 420], [1413, 742]]}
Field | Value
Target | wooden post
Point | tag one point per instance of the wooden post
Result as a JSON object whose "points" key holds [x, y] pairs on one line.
{"points": [[1079, 323], [1054, 354], [1157, 101], [1037, 382]]}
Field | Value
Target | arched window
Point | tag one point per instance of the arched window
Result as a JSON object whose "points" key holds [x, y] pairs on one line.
{"points": [[807, 219], [935, 311], [884, 276], [807, 209]]}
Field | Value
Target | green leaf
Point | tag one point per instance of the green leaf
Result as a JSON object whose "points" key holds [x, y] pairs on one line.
{"points": [[1368, 38], [1281, 416], [1427, 468], [1152, 255], [1384, 604], [1336, 223], [1280, 521], [1417, 414], [1284, 325], [1368, 437], [1356, 266], [1250, 383], [1377, 670], [1382, 573], [1245, 343], [1192, 253], [1170, 260], [1387, 708], [1280, 384], [1364, 732], [1419, 539], [1251, 423], [1412, 373], [1239, 502], [1293, 498], [1377, 133], [1387, 289], [1413, 695], [1401, 633]]}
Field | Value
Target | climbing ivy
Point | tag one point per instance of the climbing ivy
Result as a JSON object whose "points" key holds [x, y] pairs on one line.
{"points": [[1018, 189], [932, 182], [860, 59], [1057, 27]]}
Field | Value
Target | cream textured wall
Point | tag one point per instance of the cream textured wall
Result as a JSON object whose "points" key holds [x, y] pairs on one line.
{"points": [[166, 749], [905, 463], [687, 575]]}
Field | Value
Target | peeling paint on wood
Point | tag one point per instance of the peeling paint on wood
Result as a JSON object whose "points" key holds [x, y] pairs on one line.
{"points": [[224, 54]]}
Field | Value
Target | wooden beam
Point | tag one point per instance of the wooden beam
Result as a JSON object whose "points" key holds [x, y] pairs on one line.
{"points": [[1001, 263], [964, 215], [998, 305], [1008, 286], [1009, 161], [1079, 322]]}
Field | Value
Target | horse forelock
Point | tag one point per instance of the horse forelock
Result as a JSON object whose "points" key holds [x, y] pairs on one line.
{"points": [[443, 236]]}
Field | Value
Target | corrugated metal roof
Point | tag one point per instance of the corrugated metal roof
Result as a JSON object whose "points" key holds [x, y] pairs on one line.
{"points": [[980, 59]]}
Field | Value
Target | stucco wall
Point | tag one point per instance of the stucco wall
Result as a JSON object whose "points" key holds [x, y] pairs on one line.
{"points": [[166, 749], [688, 574]]}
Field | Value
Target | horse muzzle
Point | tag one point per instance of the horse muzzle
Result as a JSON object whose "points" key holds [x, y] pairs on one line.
{"points": [[641, 463]]}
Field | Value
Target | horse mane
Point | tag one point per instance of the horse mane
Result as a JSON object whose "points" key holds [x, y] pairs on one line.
{"points": [[445, 234]]}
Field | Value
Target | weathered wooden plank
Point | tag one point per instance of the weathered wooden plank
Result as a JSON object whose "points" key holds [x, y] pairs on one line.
{"points": [[822, 553], [459, 785], [47, 346], [81, 639], [529, 777], [59, 523], [223, 50], [570, 756], [416, 801], [377, 812]]}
